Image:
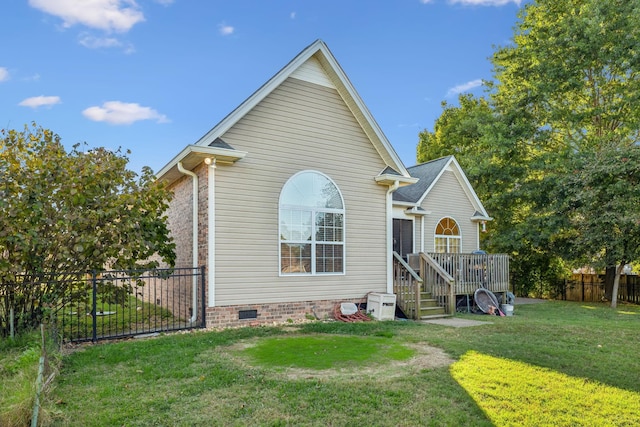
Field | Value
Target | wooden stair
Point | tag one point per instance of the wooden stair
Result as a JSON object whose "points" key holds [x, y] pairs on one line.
{"points": [[429, 308]]}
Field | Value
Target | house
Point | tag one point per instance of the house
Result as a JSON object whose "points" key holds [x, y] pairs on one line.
{"points": [[291, 199], [440, 213]]}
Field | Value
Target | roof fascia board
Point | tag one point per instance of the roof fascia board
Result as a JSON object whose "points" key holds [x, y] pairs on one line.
{"points": [[222, 155], [344, 86], [466, 185], [435, 181], [232, 118], [468, 188], [370, 126]]}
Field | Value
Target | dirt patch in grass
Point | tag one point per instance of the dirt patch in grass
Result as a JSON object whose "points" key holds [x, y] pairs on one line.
{"points": [[425, 358]]}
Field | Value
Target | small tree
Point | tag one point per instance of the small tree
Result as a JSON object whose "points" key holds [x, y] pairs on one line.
{"points": [[67, 212]]}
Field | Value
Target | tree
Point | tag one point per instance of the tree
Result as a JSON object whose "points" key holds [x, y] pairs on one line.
{"points": [[62, 213], [490, 148], [572, 73], [602, 199], [566, 90]]}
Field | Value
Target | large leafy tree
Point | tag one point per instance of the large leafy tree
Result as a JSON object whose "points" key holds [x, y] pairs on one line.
{"points": [[566, 93], [490, 148], [572, 73], [602, 199], [67, 212]]}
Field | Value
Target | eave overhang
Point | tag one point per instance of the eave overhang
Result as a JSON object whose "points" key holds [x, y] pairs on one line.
{"points": [[391, 179], [192, 155], [479, 217]]}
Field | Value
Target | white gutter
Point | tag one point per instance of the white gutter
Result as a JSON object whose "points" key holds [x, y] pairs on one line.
{"points": [[390, 191], [194, 180]]}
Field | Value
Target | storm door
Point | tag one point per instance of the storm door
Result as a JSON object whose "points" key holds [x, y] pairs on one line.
{"points": [[403, 236]]}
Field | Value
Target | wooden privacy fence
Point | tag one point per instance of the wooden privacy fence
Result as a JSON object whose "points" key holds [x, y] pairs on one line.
{"points": [[590, 288]]}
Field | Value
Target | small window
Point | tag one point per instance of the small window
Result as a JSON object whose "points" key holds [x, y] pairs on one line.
{"points": [[311, 225], [447, 236]]}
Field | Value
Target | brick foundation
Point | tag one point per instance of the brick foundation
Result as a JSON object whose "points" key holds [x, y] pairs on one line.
{"points": [[274, 313]]}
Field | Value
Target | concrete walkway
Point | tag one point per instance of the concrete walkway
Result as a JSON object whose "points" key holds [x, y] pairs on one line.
{"points": [[456, 322]]}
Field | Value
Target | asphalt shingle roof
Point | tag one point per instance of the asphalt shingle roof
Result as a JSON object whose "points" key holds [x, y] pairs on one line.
{"points": [[426, 173]]}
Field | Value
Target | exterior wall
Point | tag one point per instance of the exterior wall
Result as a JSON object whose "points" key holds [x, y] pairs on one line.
{"points": [[279, 312], [299, 126], [448, 198], [180, 221]]}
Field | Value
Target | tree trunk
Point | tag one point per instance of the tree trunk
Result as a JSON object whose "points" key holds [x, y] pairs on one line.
{"points": [[609, 277], [616, 284]]}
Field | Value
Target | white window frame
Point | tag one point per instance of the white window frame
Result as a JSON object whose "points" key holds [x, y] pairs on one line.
{"points": [[313, 242], [448, 237]]}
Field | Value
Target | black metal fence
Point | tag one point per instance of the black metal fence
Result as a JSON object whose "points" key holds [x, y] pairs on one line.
{"points": [[106, 305]]}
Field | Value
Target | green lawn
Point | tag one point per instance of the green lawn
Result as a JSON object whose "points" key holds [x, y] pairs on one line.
{"points": [[555, 364]]}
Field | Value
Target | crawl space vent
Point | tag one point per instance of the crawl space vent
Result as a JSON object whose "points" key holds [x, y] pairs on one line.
{"points": [[247, 314]]}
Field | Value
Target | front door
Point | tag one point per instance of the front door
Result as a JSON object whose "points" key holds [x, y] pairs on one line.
{"points": [[403, 236]]}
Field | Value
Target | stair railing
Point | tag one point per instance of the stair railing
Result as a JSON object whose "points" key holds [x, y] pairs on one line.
{"points": [[407, 286], [438, 282]]}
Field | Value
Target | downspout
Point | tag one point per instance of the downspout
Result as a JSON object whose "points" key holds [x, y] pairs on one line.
{"points": [[211, 231], [422, 233], [194, 292], [390, 191]]}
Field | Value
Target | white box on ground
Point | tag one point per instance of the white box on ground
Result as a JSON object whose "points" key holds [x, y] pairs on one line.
{"points": [[381, 306]]}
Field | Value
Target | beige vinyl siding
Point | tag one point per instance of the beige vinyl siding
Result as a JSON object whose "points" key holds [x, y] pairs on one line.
{"points": [[299, 126], [448, 198]]}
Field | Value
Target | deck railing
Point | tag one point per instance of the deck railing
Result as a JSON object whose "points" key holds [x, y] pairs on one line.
{"points": [[472, 271], [438, 282], [407, 286]]}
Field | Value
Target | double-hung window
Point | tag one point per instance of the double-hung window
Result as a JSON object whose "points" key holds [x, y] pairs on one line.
{"points": [[311, 225]]}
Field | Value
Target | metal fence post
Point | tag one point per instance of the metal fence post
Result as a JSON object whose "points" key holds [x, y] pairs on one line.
{"points": [[94, 308], [203, 295]]}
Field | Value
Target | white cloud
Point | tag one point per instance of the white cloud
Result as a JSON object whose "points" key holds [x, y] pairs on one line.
{"points": [[225, 29], [4, 74], [92, 42], [32, 78], [123, 113], [426, 1], [40, 101], [483, 2], [98, 42], [108, 15], [464, 87]]}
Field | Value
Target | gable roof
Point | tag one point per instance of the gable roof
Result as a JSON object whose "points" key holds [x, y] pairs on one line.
{"points": [[330, 73], [428, 175]]}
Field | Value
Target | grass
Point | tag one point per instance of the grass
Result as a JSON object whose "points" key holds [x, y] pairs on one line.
{"points": [[18, 372], [76, 321], [532, 394], [19, 358], [558, 363], [326, 352]]}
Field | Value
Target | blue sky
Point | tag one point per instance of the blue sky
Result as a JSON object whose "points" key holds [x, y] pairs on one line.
{"points": [[152, 76]]}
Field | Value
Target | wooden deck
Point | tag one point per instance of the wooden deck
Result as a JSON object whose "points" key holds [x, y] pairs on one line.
{"points": [[472, 271], [440, 277]]}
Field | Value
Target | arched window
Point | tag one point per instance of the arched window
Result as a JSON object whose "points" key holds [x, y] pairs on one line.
{"points": [[311, 225], [447, 236]]}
